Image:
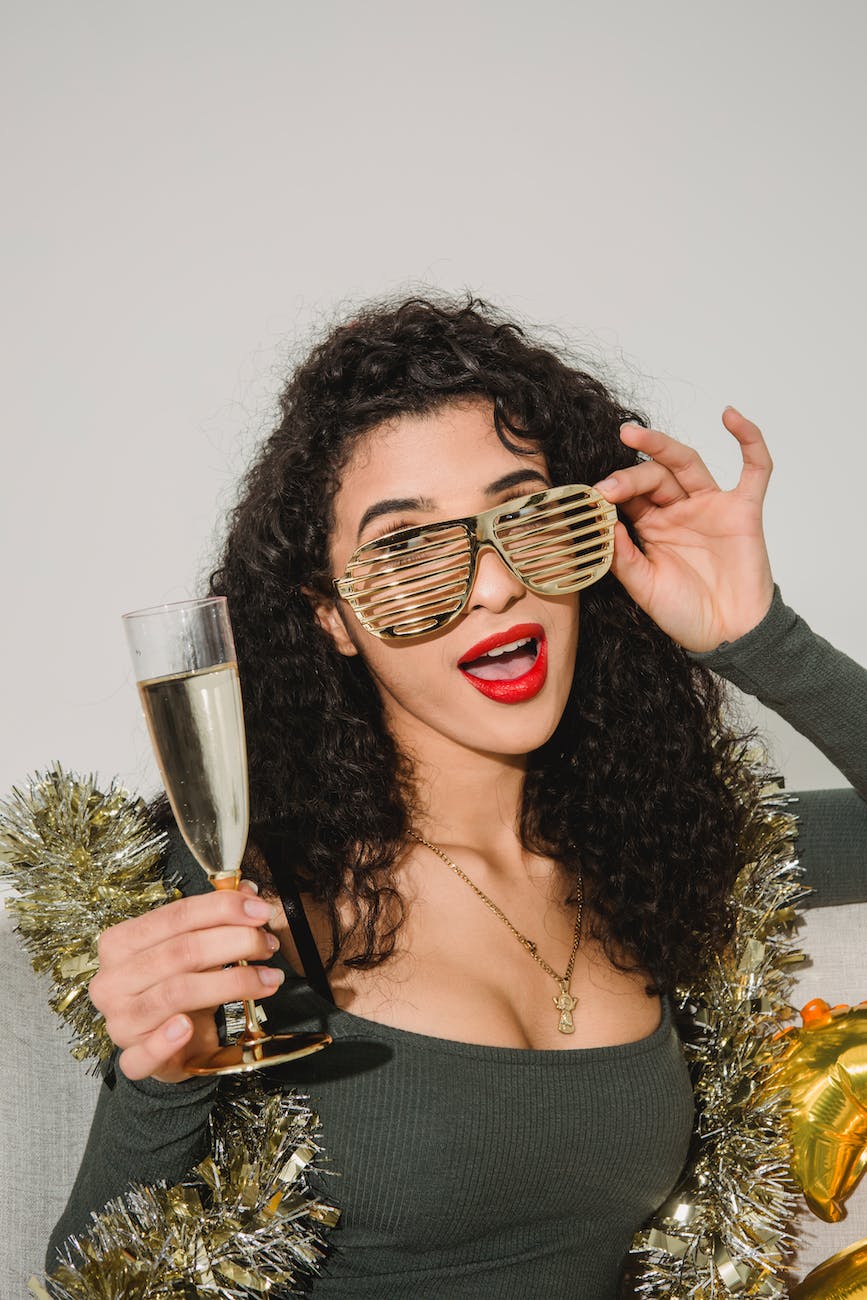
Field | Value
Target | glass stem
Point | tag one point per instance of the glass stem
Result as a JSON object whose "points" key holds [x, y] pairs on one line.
{"points": [[253, 1032]]}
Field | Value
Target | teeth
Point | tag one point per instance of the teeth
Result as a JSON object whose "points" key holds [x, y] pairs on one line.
{"points": [[504, 649]]}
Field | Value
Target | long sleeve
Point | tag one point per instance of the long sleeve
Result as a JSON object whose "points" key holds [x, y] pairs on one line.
{"points": [[145, 1131], [822, 693]]}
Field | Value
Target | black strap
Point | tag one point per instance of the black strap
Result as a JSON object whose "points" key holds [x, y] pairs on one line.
{"points": [[276, 847]]}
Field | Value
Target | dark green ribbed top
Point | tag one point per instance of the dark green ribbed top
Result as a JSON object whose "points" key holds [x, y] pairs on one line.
{"points": [[502, 1173], [481, 1171]]}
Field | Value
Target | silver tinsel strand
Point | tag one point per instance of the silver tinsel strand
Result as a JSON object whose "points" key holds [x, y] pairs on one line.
{"points": [[79, 861], [244, 1225], [724, 1232]]}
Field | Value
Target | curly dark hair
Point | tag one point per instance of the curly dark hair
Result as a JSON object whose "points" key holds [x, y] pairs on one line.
{"points": [[642, 787]]}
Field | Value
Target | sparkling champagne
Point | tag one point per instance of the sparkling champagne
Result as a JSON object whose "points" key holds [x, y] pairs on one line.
{"points": [[196, 724], [184, 660]]}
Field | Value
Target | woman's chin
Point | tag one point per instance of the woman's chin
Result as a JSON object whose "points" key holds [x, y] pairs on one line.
{"points": [[514, 735]]}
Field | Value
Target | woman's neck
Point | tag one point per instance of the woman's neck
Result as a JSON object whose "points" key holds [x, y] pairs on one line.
{"points": [[471, 799]]}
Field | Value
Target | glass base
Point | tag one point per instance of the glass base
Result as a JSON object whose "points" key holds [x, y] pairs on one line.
{"points": [[271, 1049]]}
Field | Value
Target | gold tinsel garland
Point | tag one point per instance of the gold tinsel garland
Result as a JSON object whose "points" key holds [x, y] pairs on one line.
{"points": [[79, 860], [246, 1224], [724, 1231], [243, 1225]]}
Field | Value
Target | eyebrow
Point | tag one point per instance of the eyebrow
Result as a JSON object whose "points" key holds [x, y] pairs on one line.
{"points": [[393, 505]]}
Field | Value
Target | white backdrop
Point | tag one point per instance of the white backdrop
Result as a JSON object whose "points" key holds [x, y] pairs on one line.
{"points": [[192, 189]]}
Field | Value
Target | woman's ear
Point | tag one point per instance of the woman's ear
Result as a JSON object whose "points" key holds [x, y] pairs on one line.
{"points": [[329, 618]]}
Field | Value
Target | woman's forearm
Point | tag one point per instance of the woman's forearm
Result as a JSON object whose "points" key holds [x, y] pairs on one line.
{"points": [[144, 1132], [822, 693], [816, 688]]}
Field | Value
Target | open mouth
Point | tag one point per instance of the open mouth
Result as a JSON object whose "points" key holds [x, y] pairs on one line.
{"points": [[505, 663], [510, 666]]}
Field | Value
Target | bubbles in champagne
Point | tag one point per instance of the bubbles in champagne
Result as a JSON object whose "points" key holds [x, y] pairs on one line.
{"points": [[196, 724]]}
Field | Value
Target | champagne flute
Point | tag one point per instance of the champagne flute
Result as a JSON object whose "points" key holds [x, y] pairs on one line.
{"points": [[187, 674]]}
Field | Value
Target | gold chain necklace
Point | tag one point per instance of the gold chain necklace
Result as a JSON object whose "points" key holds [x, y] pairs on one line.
{"points": [[564, 1002]]}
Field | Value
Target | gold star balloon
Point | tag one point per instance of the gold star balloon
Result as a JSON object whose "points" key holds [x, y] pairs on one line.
{"points": [[824, 1068]]}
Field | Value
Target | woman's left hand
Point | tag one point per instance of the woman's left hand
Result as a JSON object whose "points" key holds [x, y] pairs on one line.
{"points": [[704, 574]]}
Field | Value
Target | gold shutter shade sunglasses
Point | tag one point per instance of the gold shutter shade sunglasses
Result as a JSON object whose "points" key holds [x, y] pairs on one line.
{"points": [[417, 580]]}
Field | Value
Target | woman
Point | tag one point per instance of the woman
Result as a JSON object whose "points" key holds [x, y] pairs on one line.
{"points": [[512, 832]]}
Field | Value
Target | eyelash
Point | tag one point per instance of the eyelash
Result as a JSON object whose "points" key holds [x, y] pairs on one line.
{"points": [[392, 528]]}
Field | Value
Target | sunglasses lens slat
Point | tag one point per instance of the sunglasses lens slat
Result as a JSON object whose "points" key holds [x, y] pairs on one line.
{"points": [[564, 525], [379, 586], [524, 557], [406, 619], [412, 542], [416, 600], [574, 570], [547, 508], [413, 627], [397, 561], [542, 543]]}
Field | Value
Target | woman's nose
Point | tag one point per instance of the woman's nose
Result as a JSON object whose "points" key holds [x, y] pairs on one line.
{"points": [[494, 587]]}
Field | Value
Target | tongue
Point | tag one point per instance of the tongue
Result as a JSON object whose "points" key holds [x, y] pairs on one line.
{"points": [[502, 668]]}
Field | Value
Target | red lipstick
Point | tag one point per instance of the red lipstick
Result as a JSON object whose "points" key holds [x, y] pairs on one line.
{"points": [[512, 690]]}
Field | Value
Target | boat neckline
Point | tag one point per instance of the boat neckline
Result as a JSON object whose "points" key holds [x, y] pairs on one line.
{"points": [[433, 1042]]}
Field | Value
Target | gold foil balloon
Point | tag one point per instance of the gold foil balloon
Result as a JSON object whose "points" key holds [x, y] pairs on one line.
{"points": [[825, 1071], [842, 1277]]}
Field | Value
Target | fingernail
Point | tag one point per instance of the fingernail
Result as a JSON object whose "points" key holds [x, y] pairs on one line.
{"points": [[250, 886], [177, 1028], [273, 942], [260, 910], [606, 484], [271, 977]]}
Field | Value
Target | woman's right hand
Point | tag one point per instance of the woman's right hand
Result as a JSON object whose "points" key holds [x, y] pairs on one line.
{"points": [[161, 977], [703, 574]]}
